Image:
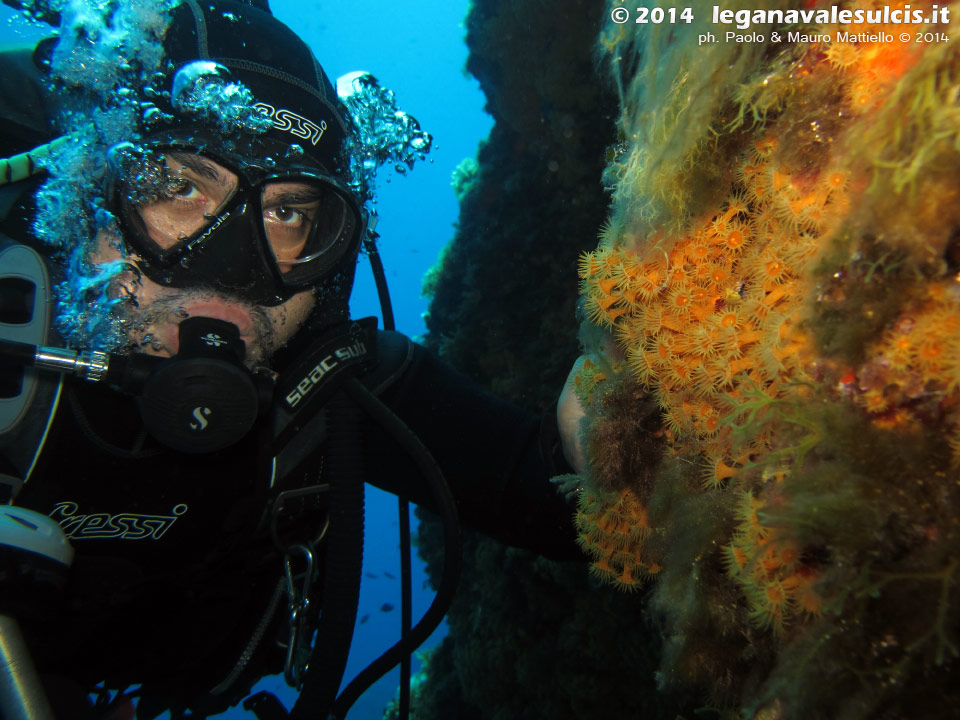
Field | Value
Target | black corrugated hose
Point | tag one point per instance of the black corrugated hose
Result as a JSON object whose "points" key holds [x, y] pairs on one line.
{"points": [[447, 509], [327, 663], [403, 505], [344, 559], [410, 639]]}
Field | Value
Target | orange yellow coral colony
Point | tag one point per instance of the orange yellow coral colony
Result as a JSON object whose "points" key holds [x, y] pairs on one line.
{"points": [[710, 321], [716, 312], [614, 532]]}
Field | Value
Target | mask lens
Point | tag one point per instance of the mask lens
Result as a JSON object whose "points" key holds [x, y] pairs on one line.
{"points": [[307, 224], [172, 197], [193, 219]]}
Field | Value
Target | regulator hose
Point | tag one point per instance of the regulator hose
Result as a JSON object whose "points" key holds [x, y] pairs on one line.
{"points": [[447, 509], [379, 278], [342, 569], [403, 505]]}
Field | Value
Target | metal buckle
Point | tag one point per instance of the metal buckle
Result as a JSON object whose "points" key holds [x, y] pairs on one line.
{"points": [[280, 505], [298, 583], [298, 605]]}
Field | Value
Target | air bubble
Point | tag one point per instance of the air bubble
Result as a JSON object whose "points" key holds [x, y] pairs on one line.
{"points": [[386, 133], [151, 116], [105, 51], [204, 89]]}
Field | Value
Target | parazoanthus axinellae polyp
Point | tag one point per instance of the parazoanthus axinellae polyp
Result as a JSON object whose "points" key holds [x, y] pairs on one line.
{"points": [[712, 311], [613, 530], [918, 356], [720, 303], [778, 286], [778, 586], [705, 314], [871, 66]]}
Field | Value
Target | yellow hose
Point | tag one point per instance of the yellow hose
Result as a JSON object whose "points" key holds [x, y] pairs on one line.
{"points": [[20, 167]]}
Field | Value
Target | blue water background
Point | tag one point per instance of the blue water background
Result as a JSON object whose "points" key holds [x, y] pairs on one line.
{"points": [[416, 49]]}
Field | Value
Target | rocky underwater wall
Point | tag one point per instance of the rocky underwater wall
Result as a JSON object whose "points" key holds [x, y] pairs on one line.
{"points": [[780, 276], [529, 638], [771, 331]]}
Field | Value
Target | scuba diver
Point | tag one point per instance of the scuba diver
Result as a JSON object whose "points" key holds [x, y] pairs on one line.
{"points": [[210, 479]]}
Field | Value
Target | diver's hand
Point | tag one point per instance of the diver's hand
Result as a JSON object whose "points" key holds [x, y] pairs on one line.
{"points": [[569, 414]]}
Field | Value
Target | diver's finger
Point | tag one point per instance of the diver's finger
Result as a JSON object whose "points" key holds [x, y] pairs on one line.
{"points": [[569, 414]]}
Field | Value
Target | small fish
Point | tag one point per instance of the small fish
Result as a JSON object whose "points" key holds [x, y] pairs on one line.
{"points": [[386, 607], [389, 576], [364, 618], [370, 575]]}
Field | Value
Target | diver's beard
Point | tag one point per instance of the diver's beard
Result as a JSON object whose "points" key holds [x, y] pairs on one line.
{"points": [[143, 324]]}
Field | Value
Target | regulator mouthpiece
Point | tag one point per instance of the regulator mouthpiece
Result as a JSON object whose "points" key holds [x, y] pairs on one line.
{"points": [[203, 399]]}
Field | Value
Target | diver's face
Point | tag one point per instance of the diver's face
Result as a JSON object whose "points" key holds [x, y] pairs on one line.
{"points": [[152, 313], [263, 239]]}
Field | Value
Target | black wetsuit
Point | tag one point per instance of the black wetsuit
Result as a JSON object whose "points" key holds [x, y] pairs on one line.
{"points": [[175, 564]]}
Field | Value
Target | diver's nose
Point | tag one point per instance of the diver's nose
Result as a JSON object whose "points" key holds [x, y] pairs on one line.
{"points": [[230, 257]]}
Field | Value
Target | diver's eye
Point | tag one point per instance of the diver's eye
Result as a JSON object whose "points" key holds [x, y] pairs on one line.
{"points": [[286, 216], [183, 189]]}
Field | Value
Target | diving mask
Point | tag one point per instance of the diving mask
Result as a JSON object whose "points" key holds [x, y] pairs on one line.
{"points": [[255, 232]]}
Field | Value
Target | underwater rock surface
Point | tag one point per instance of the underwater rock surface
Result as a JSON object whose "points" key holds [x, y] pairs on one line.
{"points": [[772, 380], [530, 638], [504, 291], [779, 272]]}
